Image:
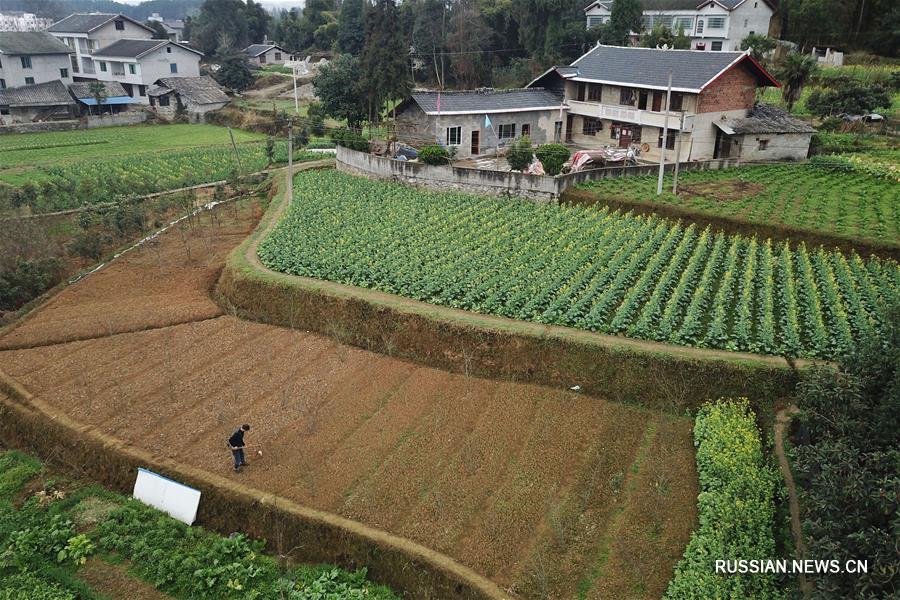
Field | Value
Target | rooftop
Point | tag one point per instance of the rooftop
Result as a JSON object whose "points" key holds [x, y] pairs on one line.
{"points": [[199, 90], [87, 22], [82, 89], [52, 93], [31, 42], [486, 100], [255, 50], [664, 5], [137, 48], [764, 118]]}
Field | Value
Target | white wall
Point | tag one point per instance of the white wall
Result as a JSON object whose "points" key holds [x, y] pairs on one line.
{"points": [[746, 19], [108, 34], [781, 146], [156, 64], [44, 68]]}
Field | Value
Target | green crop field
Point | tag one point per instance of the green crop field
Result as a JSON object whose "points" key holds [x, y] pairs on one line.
{"points": [[850, 205], [593, 269]]}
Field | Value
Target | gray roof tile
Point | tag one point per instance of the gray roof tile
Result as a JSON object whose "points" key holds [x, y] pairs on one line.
{"points": [[764, 118], [130, 48], [664, 5], [82, 89], [199, 90], [649, 67], [52, 93], [487, 100], [255, 50], [85, 23], [31, 42]]}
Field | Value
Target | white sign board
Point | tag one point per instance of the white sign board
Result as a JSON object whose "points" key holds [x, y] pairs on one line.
{"points": [[175, 499]]}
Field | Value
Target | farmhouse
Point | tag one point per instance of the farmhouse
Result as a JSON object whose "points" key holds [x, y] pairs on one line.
{"points": [[39, 102], [267, 54], [115, 100], [30, 57], [85, 34], [617, 97], [196, 96], [711, 24], [480, 121], [137, 64], [766, 133]]}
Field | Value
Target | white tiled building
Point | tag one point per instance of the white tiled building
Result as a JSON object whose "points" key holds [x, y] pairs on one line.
{"points": [[88, 33], [718, 25]]}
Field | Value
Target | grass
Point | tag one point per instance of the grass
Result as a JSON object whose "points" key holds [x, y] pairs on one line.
{"points": [[847, 205]]}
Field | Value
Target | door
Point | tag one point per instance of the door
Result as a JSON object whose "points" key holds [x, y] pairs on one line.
{"points": [[625, 134], [657, 101], [557, 131], [569, 120], [476, 138]]}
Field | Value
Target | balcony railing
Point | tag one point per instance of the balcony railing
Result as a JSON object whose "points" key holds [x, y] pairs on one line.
{"points": [[625, 114]]}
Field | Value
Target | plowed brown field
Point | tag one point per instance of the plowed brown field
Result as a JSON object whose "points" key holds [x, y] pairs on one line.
{"points": [[550, 493]]}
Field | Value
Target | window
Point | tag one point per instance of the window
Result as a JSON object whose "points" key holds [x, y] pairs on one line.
{"points": [[581, 88], [716, 46], [595, 21], [763, 144], [92, 45], [29, 81], [142, 90], [120, 25], [152, 101], [593, 92], [26, 62], [1, 64], [454, 135], [2, 84], [664, 20], [670, 140], [684, 22], [755, 4], [626, 96], [173, 67], [642, 100], [4, 110], [526, 129], [168, 49], [278, 56], [103, 66], [74, 62], [745, 22], [557, 131], [700, 27], [676, 101], [646, 22], [507, 131], [716, 22], [614, 129], [132, 68], [590, 125], [164, 100], [63, 73]]}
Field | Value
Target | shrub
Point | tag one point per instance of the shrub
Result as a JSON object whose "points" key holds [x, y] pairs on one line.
{"points": [[520, 154], [89, 244], [854, 98], [350, 139], [736, 507], [28, 280], [552, 157], [315, 116], [434, 155]]}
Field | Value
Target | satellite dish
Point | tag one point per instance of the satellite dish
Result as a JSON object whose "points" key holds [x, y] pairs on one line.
{"points": [[645, 147]]}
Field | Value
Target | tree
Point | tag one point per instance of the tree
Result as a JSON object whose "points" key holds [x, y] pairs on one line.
{"points": [[854, 98], [338, 88], [469, 38], [520, 154], [661, 35], [257, 19], [383, 61], [351, 35], [552, 31], [98, 93], [159, 30], [624, 18], [233, 71], [316, 13], [759, 45], [218, 17], [794, 71]]}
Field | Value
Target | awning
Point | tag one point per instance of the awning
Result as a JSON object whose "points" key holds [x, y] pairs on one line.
{"points": [[113, 100], [725, 126]]}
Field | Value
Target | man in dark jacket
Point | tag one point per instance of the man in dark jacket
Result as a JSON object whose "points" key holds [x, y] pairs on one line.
{"points": [[236, 443]]}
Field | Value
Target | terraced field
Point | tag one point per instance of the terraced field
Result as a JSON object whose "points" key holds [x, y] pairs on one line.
{"points": [[550, 493]]}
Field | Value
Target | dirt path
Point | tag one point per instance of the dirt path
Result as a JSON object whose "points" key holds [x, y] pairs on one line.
{"points": [[782, 420], [519, 482], [114, 581]]}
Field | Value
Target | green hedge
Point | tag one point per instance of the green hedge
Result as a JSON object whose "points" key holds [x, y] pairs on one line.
{"points": [[736, 508]]}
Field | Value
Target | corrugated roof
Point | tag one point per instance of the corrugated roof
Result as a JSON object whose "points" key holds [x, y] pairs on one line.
{"points": [[255, 50], [85, 23], [199, 90], [649, 67], [52, 93], [764, 118], [82, 89], [487, 100], [31, 42]]}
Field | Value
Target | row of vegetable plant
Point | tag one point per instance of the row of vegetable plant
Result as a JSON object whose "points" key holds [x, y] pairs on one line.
{"points": [[593, 269]]}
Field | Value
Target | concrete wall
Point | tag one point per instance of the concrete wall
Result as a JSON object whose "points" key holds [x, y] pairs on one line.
{"points": [[26, 114], [753, 16], [149, 68], [703, 138], [782, 146], [270, 57], [123, 118], [108, 34], [44, 68]]}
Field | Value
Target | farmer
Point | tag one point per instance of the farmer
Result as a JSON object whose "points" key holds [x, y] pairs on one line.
{"points": [[236, 443]]}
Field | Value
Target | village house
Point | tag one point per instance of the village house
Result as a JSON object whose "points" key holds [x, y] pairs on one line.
{"points": [[194, 96], [31, 57], [267, 54], [766, 133], [718, 25], [39, 102], [137, 64], [616, 96], [477, 122], [85, 34], [115, 99], [174, 28]]}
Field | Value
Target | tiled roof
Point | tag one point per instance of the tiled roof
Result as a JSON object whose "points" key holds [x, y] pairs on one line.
{"points": [[255, 50], [52, 93], [199, 90], [691, 70], [664, 5], [764, 118], [487, 100], [82, 89], [130, 48], [85, 23], [31, 42]]}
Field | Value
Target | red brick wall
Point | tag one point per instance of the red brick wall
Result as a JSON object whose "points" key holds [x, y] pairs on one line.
{"points": [[733, 90]]}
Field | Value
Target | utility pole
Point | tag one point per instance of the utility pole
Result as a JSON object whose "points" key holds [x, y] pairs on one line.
{"points": [[678, 154], [294, 77], [236, 153], [290, 168], [662, 150]]}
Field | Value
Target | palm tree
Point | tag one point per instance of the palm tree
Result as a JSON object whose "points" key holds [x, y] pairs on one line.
{"points": [[794, 71]]}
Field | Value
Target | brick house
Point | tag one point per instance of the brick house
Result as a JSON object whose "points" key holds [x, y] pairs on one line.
{"points": [[616, 96]]}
